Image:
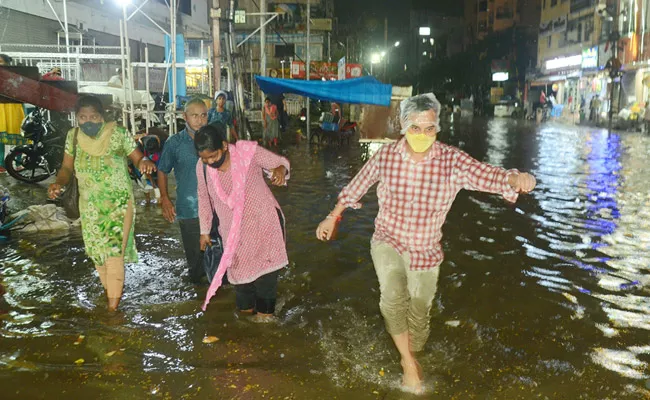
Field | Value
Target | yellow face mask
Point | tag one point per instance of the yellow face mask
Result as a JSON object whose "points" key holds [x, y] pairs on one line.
{"points": [[420, 142]]}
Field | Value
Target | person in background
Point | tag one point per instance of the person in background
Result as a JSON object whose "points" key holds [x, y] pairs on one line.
{"points": [[11, 119], [219, 113], [419, 179], [53, 75], [179, 155], [106, 203], [116, 80], [271, 123], [251, 222], [597, 105], [281, 103]]}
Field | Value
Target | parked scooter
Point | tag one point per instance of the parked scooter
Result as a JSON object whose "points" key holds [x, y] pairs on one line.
{"points": [[41, 158]]}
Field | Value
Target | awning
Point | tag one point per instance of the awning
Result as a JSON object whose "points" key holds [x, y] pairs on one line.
{"points": [[365, 90]]}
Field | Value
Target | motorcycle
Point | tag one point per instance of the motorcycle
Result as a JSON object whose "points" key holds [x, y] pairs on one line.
{"points": [[42, 157]]}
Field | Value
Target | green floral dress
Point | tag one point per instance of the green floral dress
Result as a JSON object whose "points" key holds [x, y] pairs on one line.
{"points": [[105, 190]]}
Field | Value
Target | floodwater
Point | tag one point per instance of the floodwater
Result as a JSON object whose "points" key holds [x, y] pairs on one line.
{"points": [[547, 298]]}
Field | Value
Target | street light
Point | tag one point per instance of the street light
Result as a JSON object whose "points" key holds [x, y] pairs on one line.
{"points": [[397, 44]]}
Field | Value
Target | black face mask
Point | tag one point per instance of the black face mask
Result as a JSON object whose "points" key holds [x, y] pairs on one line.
{"points": [[220, 161]]}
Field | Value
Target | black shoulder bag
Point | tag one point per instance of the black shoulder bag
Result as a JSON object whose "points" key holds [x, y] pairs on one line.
{"points": [[70, 197], [213, 253]]}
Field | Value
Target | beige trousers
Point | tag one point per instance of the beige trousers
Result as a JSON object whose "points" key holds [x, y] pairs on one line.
{"points": [[112, 272], [406, 296]]}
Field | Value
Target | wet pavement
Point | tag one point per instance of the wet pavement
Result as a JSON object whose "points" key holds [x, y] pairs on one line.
{"points": [[547, 298]]}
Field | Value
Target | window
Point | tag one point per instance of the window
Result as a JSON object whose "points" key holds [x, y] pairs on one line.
{"points": [[553, 3], [589, 29], [482, 6], [504, 12], [579, 5], [578, 30], [543, 4], [549, 42], [185, 6], [605, 28]]}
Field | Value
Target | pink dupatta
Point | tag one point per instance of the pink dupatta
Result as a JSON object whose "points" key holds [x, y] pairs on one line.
{"points": [[241, 156]]}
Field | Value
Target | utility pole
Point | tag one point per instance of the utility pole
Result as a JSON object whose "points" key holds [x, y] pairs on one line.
{"points": [[308, 68], [215, 14], [262, 37], [614, 65], [386, 49], [172, 20]]}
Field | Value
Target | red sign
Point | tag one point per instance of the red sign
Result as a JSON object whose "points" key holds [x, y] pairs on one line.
{"points": [[323, 70], [353, 71]]}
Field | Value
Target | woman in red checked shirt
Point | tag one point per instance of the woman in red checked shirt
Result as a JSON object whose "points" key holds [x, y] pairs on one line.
{"points": [[418, 180]]}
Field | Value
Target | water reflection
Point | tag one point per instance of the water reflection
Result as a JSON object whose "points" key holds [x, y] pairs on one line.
{"points": [[544, 299]]}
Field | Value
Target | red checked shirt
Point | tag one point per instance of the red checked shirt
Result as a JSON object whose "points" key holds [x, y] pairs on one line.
{"points": [[414, 198]]}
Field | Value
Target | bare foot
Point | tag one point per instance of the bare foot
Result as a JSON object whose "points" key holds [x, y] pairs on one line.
{"points": [[113, 303], [412, 380], [263, 318]]}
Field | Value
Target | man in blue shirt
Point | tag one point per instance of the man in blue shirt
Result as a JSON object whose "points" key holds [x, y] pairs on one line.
{"points": [[179, 154], [221, 114]]}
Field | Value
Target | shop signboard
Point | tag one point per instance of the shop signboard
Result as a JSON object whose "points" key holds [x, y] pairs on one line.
{"points": [[563, 62], [321, 24], [353, 71], [590, 58], [319, 70]]}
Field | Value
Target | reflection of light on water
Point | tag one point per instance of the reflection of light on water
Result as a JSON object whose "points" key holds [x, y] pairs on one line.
{"points": [[603, 182], [153, 361], [625, 363], [497, 138]]}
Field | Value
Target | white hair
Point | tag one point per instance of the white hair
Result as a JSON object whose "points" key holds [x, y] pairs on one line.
{"points": [[418, 104]]}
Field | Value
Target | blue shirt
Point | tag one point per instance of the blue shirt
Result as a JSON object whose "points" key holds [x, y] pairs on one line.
{"points": [[222, 116], [179, 154]]}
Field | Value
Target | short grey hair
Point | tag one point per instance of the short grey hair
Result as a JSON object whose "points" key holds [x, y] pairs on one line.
{"points": [[418, 104], [193, 101]]}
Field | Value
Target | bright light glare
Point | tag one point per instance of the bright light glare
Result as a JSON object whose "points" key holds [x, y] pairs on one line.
{"points": [[123, 2], [564, 62], [500, 76], [397, 44], [383, 54], [375, 58]]}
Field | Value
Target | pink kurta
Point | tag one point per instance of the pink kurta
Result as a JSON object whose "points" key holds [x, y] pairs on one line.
{"points": [[262, 247]]}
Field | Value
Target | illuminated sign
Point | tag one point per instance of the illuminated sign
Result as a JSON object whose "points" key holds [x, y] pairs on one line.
{"points": [[564, 62], [590, 57], [425, 31], [500, 76]]}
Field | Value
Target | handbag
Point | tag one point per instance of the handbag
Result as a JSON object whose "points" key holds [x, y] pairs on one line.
{"points": [[214, 252], [70, 198]]}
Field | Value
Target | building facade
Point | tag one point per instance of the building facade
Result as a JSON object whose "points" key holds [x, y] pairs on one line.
{"points": [[577, 39], [286, 35], [483, 17], [96, 22]]}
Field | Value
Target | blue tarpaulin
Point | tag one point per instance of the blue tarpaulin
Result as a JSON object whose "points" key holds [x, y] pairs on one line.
{"points": [[365, 90]]}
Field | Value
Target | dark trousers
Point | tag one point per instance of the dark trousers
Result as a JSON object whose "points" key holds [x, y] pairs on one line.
{"points": [[259, 295], [191, 235]]}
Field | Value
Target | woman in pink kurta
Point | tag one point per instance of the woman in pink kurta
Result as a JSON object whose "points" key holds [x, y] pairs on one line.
{"points": [[251, 222]]}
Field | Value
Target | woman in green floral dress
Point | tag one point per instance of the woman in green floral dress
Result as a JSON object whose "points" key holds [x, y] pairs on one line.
{"points": [[97, 152]]}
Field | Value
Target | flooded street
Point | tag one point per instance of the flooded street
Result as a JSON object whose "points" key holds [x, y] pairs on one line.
{"points": [[547, 298]]}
